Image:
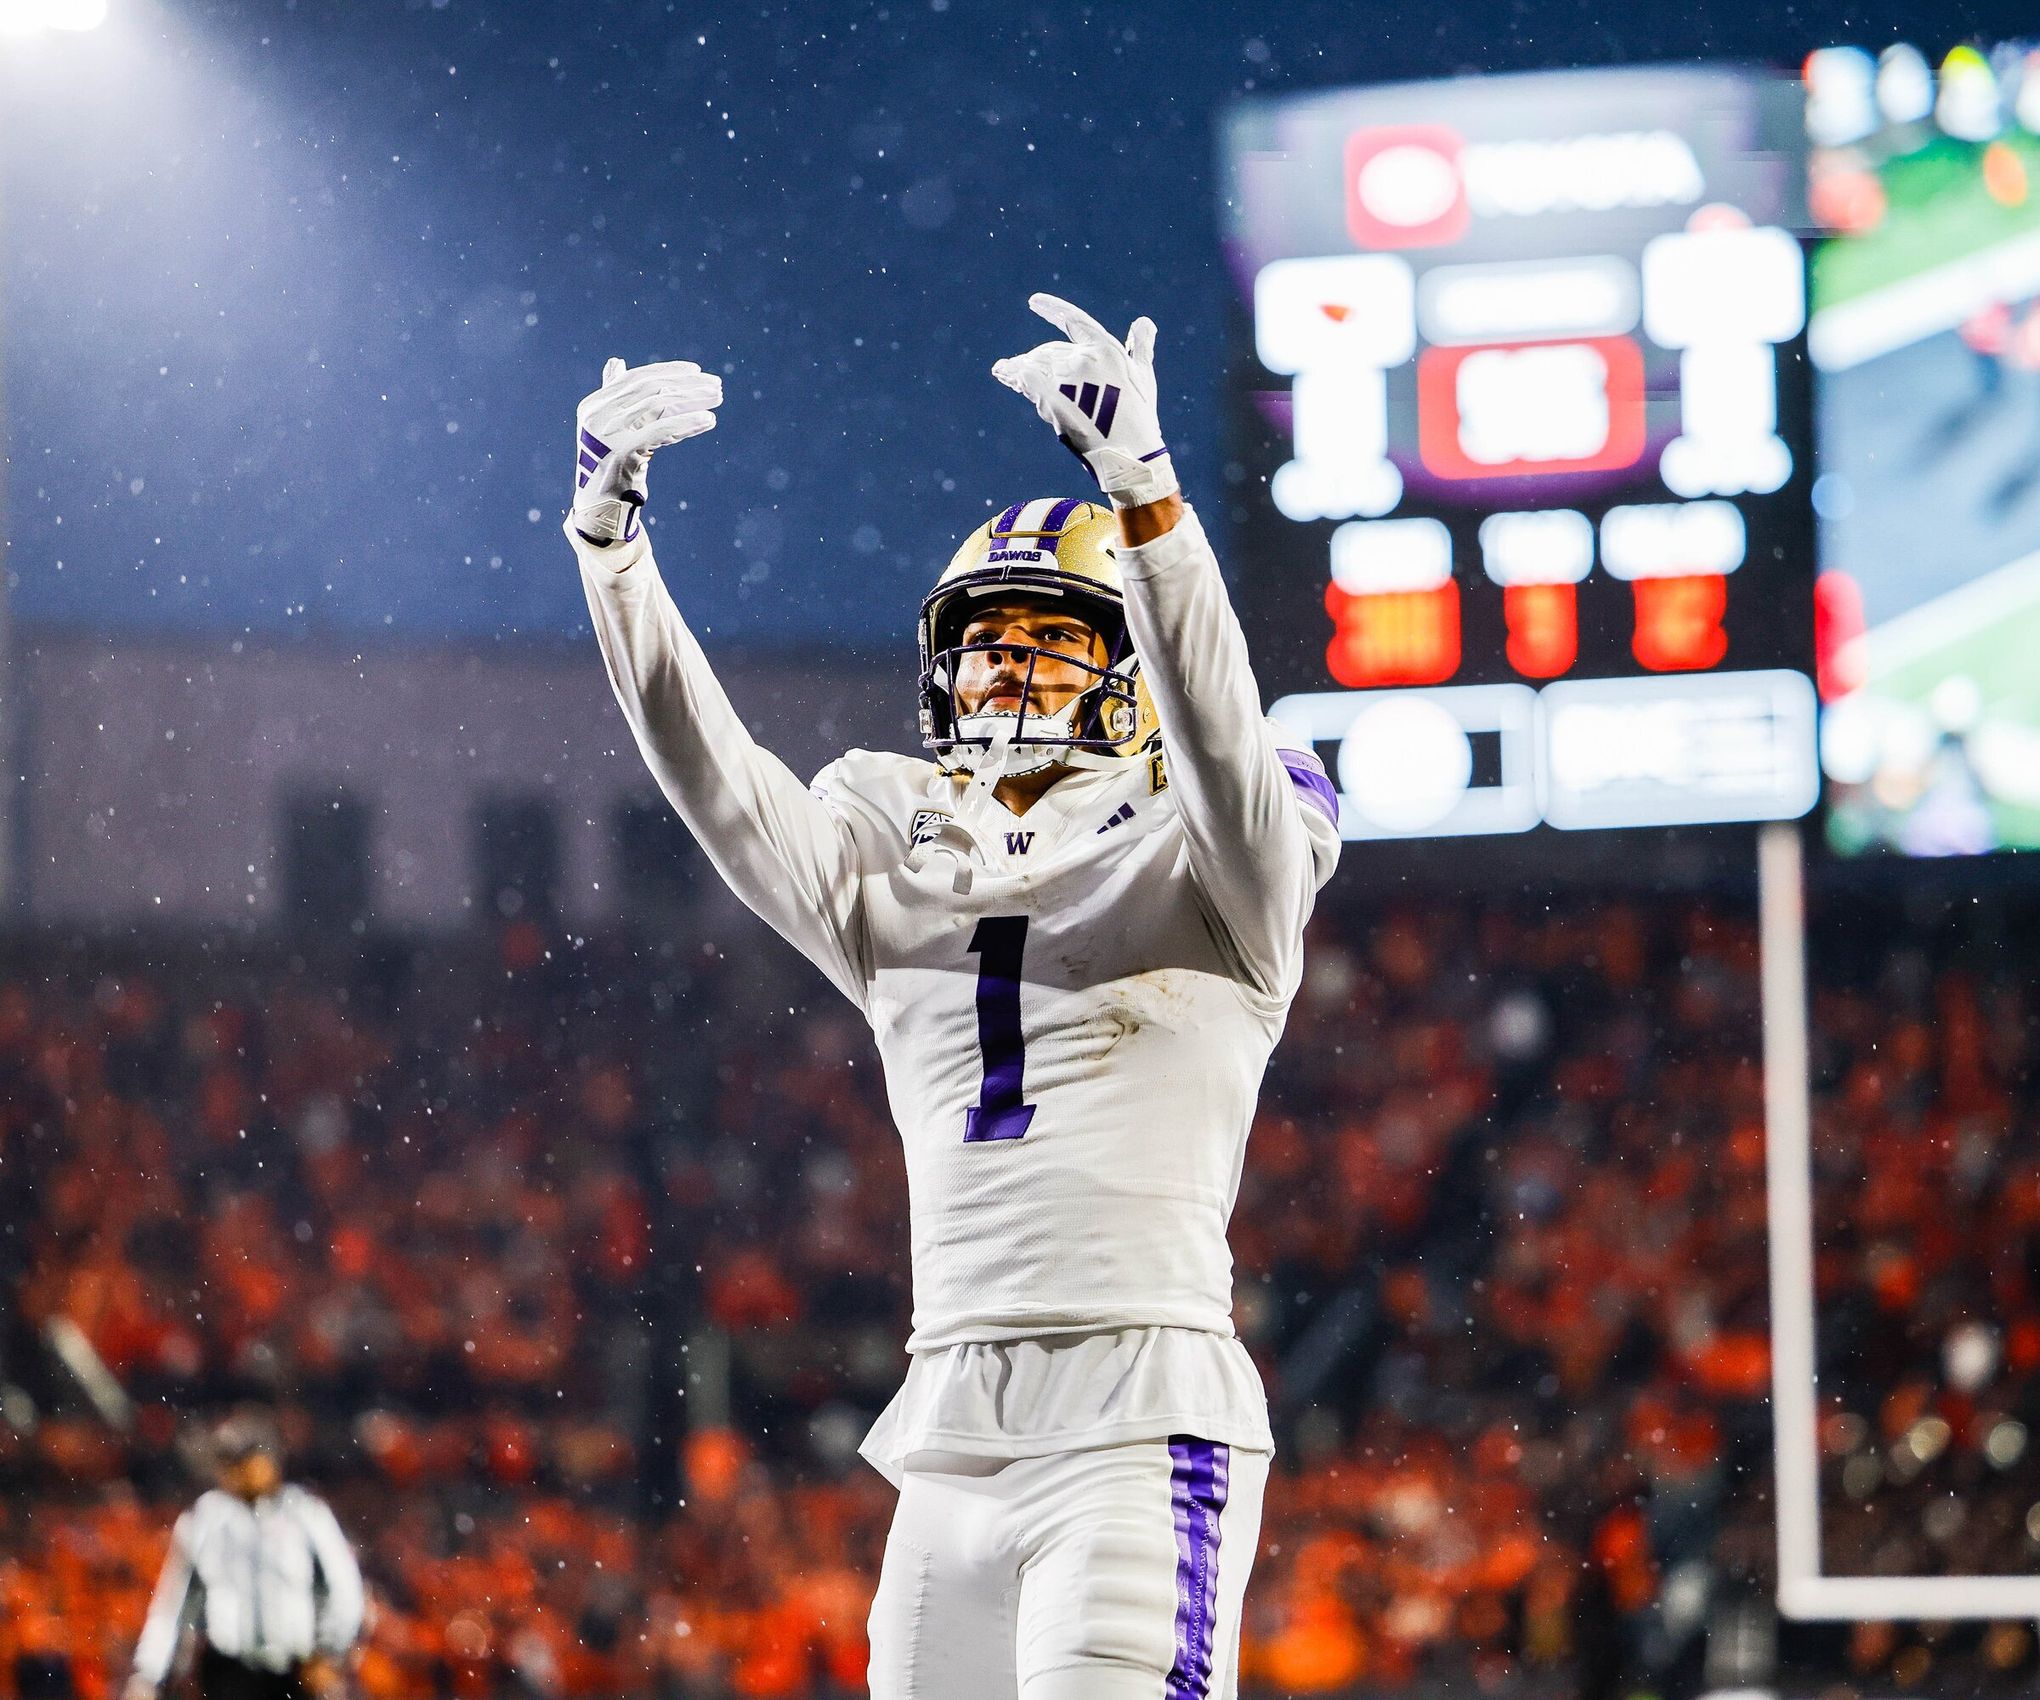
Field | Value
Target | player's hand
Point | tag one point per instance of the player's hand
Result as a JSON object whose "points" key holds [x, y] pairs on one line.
{"points": [[1099, 394], [637, 409]]}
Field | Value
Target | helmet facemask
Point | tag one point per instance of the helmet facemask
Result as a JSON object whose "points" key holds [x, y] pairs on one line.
{"points": [[1090, 729], [1062, 553]]}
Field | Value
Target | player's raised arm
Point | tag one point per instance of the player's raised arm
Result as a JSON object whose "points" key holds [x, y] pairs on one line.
{"points": [[1259, 817], [786, 853]]}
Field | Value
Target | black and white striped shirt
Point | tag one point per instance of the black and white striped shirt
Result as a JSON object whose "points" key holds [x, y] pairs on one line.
{"points": [[269, 1583]]}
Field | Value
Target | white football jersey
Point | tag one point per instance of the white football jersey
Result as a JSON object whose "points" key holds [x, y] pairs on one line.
{"points": [[1073, 1044]]}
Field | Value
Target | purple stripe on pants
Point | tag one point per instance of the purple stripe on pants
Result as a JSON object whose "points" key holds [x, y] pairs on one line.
{"points": [[1311, 784], [1197, 1490]]}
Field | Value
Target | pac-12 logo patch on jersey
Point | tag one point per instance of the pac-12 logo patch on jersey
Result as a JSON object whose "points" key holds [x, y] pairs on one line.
{"points": [[926, 824]]}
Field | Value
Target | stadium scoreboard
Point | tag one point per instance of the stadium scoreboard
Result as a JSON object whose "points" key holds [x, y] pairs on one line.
{"points": [[1520, 472]]}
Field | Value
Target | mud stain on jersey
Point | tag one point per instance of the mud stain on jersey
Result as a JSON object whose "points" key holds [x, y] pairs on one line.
{"points": [[1162, 997], [1123, 1024], [1171, 994]]}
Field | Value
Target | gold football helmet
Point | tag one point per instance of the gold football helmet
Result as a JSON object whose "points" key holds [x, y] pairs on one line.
{"points": [[1050, 548]]}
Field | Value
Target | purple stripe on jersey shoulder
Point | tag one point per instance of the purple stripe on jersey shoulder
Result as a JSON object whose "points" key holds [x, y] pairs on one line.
{"points": [[1007, 520], [1307, 774], [1058, 517], [1198, 1480]]}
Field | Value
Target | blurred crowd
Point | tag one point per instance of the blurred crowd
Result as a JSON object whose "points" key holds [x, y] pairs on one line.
{"points": [[575, 1269]]}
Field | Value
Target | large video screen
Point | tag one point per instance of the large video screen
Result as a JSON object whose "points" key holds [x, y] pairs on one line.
{"points": [[1926, 337], [1520, 467]]}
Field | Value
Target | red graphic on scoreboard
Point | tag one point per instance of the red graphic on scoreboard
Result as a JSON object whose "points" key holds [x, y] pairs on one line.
{"points": [[1404, 188], [1394, 637], [1505, 409], [1544, 628], [1678, 622], [1838, 627]]}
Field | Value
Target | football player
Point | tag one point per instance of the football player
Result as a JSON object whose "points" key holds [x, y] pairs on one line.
{"points": [[1075, 931]]}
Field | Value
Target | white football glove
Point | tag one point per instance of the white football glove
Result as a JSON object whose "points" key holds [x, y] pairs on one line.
{"points": [[1099, 394], [637, 409]]}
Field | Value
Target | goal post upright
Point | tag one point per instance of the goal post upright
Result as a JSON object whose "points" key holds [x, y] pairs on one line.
{"points": [[1788, 1176]]}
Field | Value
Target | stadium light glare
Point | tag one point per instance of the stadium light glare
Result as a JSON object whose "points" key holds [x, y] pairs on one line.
{"points": [[32, 17]]}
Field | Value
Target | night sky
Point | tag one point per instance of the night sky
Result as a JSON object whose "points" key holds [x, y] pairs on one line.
{"points": [[296, 299]]}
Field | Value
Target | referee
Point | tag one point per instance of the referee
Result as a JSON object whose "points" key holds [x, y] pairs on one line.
{"points": [[263, 1570]]}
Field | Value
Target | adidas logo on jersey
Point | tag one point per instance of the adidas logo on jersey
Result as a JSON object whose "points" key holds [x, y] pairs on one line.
{"points": [[1119, 817]]}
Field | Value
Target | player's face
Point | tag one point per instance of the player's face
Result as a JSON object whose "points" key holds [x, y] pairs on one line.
{"points": [[252, 1476], [991, 681]]}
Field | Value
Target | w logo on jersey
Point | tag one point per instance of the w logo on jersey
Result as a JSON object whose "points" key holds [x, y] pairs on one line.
{"points": [[1097, 403], [1019, 843]]}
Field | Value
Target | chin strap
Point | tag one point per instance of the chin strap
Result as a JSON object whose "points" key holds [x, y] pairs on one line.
{"points": [[957, 836]]}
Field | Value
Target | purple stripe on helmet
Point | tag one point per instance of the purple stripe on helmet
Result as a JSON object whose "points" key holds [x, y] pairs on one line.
{"points": [[1058, 517], [1198, 1480], [1007, 520], [1307, 774], [1108, 408]]}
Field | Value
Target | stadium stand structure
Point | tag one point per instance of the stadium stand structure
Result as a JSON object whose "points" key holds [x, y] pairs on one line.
{"points": [[575, 1267]]}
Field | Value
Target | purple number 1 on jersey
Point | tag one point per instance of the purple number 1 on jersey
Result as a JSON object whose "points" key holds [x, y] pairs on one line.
{"points": [[998, 1113]]}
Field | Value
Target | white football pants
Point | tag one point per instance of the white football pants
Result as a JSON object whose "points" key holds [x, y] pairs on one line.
{"points": [[1115, 1573]]}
